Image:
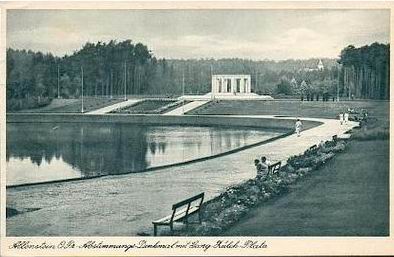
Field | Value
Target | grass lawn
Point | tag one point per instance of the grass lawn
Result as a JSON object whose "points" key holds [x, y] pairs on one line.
{"points": [[293, 108], [74, 105], [152, 106], [146, 106], [349, 196]]}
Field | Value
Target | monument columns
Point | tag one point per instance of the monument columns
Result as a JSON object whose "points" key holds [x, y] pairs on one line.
{"points": [[247, 86], [231, 84]]}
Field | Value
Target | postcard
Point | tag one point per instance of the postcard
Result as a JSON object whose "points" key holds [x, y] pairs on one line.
{"points": [[196, 129]]}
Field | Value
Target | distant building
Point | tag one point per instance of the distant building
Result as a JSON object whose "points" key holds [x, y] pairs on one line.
{"points": [[319, 67], [231, 84], [229, 87]]}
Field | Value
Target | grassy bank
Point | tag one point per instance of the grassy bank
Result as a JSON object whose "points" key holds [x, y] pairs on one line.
{"points": [[336, 201], [152, 106], [293, 108], [73, 105], [146, 106], [16, 104]]}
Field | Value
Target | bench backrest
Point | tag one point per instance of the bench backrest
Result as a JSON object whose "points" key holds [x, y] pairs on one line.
{"points": [[187, 202], [312, 149], [274, 168]]}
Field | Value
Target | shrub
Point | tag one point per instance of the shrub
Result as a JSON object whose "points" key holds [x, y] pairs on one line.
{"points": [[231, 214], [300, 161], [14, 104]]}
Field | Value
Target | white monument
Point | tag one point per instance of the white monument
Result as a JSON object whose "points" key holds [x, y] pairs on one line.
{"points": [[231, 85]]}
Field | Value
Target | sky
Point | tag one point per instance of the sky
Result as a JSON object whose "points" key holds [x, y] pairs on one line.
{"points": [[251, 34]]}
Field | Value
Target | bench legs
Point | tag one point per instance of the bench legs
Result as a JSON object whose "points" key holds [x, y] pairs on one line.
{"points": [[156, 225], [171, 225], [154, 230]]}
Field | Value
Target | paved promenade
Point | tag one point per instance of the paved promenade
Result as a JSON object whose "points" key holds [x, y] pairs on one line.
{"points": [[187, 107], [111, 206], [113, 107]]}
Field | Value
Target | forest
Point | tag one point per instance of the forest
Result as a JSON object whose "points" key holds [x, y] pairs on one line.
{"points": [[366, 71], [113, 68]]}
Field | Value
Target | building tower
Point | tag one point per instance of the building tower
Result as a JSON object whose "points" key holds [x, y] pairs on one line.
{"points": [[320, 65]]}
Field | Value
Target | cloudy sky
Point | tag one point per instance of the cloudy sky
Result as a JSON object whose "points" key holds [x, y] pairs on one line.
{"points": [[254, 34]]}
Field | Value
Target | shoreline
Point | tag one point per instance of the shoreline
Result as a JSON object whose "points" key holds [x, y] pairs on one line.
{"points": [[288, 133], [255, 121], [118, 193]]}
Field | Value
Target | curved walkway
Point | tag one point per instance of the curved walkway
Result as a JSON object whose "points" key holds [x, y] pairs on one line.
{"points": [[110, 206]]}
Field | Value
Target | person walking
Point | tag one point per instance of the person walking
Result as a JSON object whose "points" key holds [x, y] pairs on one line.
{"points": [[341, 118], [298, 127], [346, 117]]}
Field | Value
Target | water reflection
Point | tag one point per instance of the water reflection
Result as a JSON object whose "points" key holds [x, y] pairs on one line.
{"points": [[45, 152]]}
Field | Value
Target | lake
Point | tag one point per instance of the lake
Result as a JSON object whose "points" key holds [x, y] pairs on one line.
{"points": [[43, 152]]}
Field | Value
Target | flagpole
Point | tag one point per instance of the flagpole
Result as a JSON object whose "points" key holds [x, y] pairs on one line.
{"points": [[82, 110], [58, 82], [125, 83], [183, 91]]}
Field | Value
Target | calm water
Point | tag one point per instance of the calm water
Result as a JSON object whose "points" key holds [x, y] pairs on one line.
{"points": [[47, 152]]}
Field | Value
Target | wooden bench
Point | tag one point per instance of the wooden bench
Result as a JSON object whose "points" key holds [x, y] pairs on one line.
{"points": [[180, 212], [313, 149], [274, 168]]}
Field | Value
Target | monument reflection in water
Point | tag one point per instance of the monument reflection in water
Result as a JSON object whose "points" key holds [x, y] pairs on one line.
{"points": [[55, 151]]}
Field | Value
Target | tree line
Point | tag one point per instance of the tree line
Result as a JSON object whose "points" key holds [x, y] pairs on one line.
{"points": [[115, 68], [366, 71]]}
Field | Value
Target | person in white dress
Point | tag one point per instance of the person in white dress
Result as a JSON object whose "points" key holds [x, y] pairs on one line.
{"points": [[341, 118], [346, 117], [298, 127]]}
